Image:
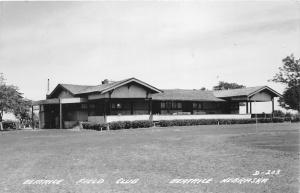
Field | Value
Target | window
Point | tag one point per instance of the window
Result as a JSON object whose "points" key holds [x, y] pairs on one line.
{"points": [[92, 106], [174, 105], [179, 105], [168, 104], [84, 106], [171, 105], [163, 105], [197, 105], [116, 105]]}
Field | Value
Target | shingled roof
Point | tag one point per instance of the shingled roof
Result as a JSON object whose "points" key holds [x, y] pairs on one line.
{"points": [[75, 89], [248, 91], [112, 85], [84, 89], [186, 95], [101, 87]]}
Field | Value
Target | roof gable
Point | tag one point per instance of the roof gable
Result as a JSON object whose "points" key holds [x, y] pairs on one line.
{"points": [[103, 88], [71, 88], [248, 92]]}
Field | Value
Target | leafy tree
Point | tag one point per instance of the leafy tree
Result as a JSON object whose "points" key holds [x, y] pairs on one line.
{"points": [[225, 86], [11, 99], [278, 113], [22, 111], [289, 75], [291, 98]]}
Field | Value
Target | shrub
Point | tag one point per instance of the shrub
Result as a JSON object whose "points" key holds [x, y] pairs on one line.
{"points": [[141, 124], [129, 124], [117, 125], [8, 125], [93, 126], [187, 122], [278, 119], [295, 118]]}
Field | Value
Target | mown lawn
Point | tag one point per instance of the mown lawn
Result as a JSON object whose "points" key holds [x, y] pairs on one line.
{"points": [[155, 156]]}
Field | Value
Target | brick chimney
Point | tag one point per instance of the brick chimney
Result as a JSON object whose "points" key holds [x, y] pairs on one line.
{"points": [[105, 81]]}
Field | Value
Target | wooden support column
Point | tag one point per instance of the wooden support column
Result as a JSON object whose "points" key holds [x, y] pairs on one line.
{"points": [[272, 106], [150, 106], [250, 107], [247, 107], [104, 109], [60, 115], [32, 120], [131, 107]]}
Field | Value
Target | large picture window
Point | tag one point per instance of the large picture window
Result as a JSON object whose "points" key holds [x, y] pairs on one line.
{"points": [[171, 105], [197, 105], [116, 106]]}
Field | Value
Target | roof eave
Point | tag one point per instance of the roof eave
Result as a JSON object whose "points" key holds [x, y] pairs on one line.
{"points": [[131, 80]]}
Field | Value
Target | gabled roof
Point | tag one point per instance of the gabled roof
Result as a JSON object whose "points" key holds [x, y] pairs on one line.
{"points": [[75, 89], [248, 91], [187, 95], [103, 88], [72, 88]]}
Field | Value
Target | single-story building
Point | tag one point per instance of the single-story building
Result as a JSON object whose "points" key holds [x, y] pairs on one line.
{"points": [[133, 99]]}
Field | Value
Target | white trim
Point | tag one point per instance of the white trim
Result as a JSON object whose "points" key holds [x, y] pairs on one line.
{"points": [[72, 100], [207, 116], [263, 88]]}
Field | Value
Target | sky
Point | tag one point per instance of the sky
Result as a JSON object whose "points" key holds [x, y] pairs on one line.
{"points": [[178, 44]]}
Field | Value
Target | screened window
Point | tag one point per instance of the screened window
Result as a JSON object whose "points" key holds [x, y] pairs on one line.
{"points": [[116, 106], [163, 105], [92, 106], [197, 105], [171, 105], [84, 106], [179, 105]]}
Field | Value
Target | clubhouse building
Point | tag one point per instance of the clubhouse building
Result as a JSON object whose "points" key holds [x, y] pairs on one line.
{"points": [[132, 99]]}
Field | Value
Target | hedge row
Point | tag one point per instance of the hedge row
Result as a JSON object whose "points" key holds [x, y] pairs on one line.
{"points": [[129, 124], [185, 122], [117, 125], [93, 126], [188, 122], [9, 125]]}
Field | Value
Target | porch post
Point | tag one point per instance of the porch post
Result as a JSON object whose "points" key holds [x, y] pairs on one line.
{"points": [[272, 107], [60, 115], [150, 106], [131, 107], [104, 109], [247, 107], [250, 107], [32, 121]]}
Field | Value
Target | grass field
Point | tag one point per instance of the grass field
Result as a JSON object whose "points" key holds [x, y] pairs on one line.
{"points": [[155, 156]]}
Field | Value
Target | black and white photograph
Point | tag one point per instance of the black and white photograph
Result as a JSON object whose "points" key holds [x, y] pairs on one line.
{"points": [[150, 96]]}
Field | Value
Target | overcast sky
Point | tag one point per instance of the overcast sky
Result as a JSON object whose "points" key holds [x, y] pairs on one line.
{"points": [[166, 44]]}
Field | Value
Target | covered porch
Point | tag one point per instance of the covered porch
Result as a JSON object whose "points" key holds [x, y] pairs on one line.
{"points": [[249, 97], [59, 113]]}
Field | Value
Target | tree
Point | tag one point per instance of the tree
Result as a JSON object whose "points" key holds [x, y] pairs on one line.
{"points": [[22, 112], [225, 86], [289, 75], [10, 98], [291, 98]]}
